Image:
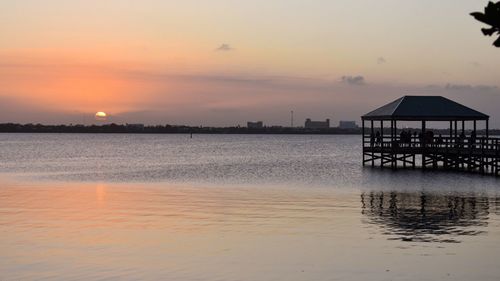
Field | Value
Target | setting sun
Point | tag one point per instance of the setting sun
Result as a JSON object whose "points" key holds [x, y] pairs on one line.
{"points": [[100, 115]]}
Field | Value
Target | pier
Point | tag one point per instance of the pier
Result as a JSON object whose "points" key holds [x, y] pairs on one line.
{"points": [[460, 149]]}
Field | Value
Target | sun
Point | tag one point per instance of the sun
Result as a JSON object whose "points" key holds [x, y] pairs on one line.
{"points": [[101, 115]]}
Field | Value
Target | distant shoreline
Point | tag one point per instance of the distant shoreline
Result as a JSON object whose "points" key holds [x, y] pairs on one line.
{"points": [[169, 129], [180, 129]]}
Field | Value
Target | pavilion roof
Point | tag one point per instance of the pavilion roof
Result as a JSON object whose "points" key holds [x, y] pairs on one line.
{"points": [[428, 108]]}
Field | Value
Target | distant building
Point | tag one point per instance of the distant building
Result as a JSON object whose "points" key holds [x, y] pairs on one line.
{"points": [[255, 125], [317, 124], [348, 125]]}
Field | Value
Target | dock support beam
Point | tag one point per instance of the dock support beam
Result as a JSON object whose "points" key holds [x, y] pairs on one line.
{"points": [[487, 128], [374, 140], [363, 138], [423, 145], [382, 143], [392, 145]]}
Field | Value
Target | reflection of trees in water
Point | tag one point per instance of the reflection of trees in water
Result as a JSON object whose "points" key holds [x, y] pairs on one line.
{"points": [[426, 217]]}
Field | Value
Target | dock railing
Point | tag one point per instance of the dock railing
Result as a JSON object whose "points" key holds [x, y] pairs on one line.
{"points": [[478, 143]]}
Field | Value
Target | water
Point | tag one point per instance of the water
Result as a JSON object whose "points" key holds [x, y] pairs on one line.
{"points": [[235, 207], [233, 159]]}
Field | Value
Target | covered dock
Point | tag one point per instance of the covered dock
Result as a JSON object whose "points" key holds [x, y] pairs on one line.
{"points": [[457, 149]]}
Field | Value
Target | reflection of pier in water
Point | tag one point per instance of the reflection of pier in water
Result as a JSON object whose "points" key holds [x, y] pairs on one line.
{"points": [[422, 217]]}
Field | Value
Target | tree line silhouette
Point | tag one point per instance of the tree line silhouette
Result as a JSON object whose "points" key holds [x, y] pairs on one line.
{"points": [[182, 129], [165, 129]]}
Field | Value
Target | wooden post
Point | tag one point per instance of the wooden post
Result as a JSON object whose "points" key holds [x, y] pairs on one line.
{"points": [[363, 138], [372, 130], [423, 144], [373, 136], [487, 140], [472, 158], [482, 155], [456, 130], [382, 129], [382, 143], [497, 156], [462, 160], [392, 144], [423, 131], [392, 130], [448, 143], [487, 129], [457, 145], [396, 142]]}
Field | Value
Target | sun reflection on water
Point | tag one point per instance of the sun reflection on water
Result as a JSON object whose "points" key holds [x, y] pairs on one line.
{"points": [[100, 191]]}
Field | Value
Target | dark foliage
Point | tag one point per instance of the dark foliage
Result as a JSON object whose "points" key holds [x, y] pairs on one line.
{"points": [[180, 129], [164, 129], [491, 17]]}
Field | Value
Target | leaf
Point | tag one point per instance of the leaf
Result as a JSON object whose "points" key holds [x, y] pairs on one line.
{"points": [[492, 13], [490, 7], [497, 43], [482, 18], [488, 31]]}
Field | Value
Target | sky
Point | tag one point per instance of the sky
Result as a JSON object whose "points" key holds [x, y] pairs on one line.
{"points": [[223, 63]]}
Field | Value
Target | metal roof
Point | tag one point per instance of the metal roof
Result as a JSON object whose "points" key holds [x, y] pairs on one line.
{"points": [[429, 108]]}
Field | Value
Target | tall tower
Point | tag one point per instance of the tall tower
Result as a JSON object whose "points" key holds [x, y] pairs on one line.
{"points": [[291, 119]]}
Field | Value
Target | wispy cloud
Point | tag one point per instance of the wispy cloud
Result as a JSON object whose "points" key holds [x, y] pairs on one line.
{"points": [[353, 80], [475, 64], [467, 87], [224, 48], [155, 95], [381, 60]]}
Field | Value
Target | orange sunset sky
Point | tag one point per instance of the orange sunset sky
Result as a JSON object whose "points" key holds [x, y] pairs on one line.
{"points": [[227, 62]]}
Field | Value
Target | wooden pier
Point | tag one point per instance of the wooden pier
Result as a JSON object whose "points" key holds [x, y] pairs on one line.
{"points": [[422, 149], [481, 155]]}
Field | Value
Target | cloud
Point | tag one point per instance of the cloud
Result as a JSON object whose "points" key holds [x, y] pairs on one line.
{"points": [[381, 60], [20, 110], [467, 87], [353, 80], [224, 48], [459, 87], [160, 96]]}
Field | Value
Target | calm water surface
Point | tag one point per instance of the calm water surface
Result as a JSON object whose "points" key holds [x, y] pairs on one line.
{"points": [[235, 207]]}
